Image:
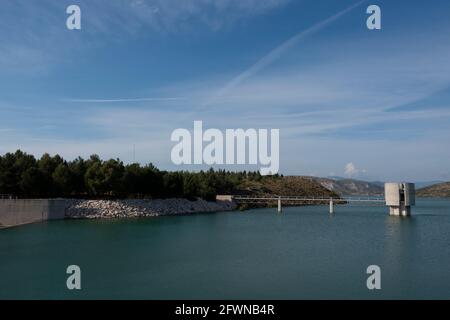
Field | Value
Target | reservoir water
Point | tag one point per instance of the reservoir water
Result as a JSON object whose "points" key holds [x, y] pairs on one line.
{"points": [[303, 253]]}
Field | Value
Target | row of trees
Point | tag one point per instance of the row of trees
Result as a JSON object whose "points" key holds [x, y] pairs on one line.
{"points": [[23, 175]]}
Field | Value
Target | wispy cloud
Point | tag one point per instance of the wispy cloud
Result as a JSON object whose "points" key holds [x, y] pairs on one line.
{"points": [[30, 29], [181, 15], [352, 171], [277, 52]]}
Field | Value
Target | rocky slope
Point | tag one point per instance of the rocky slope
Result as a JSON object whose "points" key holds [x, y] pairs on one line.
{"points": [[351, 187], [440, 190]]}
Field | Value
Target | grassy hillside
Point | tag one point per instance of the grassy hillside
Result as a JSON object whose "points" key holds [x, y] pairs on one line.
{"points": [[285, 186], [440, 190]]}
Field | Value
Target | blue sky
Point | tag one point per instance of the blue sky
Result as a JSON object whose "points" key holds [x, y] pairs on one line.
{"points": [[139, 69]]}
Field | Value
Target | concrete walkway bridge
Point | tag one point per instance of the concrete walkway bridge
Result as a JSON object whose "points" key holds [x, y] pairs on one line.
{"points": [[399, 197], [302, 200]]}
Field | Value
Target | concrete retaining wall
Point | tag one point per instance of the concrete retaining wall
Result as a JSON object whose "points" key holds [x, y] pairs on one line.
{"points": [[23, 211]]}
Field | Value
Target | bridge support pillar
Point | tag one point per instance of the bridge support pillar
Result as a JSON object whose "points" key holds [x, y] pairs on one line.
{"points": [[331, 206], [279, 205]]}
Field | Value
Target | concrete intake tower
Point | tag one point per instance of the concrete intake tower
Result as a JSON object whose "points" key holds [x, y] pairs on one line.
{"points": [[399, 198]]}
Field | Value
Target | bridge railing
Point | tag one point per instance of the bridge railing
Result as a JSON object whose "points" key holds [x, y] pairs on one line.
{"points": [[307, 198]]}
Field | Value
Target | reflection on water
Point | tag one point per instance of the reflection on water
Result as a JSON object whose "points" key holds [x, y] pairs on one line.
{"points": [[401, 239]]}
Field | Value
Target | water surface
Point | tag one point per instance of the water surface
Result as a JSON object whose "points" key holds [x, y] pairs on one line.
{"points": [[303, 253]]}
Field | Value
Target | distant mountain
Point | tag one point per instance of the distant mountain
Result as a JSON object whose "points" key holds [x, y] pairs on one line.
{"points": [[423, 184], [378, 183], [336, 178], [419, 184], [440, 190], [351, 187]]}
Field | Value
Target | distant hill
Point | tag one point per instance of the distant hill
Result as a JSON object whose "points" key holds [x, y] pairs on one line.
{"points": [[330, 186], [285, 186], [440, 190], [424, 184], [351, 187], [378, 183], [336, 178]]}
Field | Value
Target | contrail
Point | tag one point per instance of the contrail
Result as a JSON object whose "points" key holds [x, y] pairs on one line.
{"points": [[122, 100], [278, 51], [146, 99], [258, 66]]}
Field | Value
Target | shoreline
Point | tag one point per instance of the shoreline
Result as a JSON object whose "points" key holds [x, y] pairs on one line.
{"points": [[18, 212]]}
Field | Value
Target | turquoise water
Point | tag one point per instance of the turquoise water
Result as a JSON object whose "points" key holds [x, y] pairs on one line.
{"points": [[303, 253]]}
